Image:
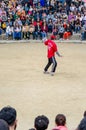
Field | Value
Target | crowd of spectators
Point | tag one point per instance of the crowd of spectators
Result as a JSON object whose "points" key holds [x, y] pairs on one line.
{"points": [[8, 121], [61, 18]]}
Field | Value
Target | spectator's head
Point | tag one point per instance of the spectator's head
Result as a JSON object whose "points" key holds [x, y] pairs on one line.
{"points": [[3, 125], [84, 113], [60, 120], [32, 129], [9, 114], [41, 122]]}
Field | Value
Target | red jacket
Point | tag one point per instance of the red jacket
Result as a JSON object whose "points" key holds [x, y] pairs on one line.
{"points": [[44, 29], [52, 48]]}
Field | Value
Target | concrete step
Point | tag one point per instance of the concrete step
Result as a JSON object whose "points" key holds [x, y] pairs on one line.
{"points": [[76, 36]]}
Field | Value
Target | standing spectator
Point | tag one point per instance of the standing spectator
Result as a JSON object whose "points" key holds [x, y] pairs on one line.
{"points": [[82, 125], [60, 122], [3, 125], [41, 122], [9, 114]]}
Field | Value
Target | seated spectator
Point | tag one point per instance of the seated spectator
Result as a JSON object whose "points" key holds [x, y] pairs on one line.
{"points": [[83, 32], [17, 32], [71, 17], [31, 31], [39, 21], [42, 2], [19, 21], [26, 8], [23, 19], [50, 16], [4, 15], [3, 125], [72, 7], [50, 25], [68, 32], [9, 114], [60, 122], [9, 22], [44, 30], [30, 10], [41, 122], [65, 25], [77, 26], [38, 31], [4, 26], [61, 31], [25, 30], [0, 31], [9, 31], [54, 33]]}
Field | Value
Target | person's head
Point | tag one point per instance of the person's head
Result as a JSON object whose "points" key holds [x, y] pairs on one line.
{"points": [[9, 114], [60, 120], [3, 125], [41, 122], [31, 129], [84, 114]]}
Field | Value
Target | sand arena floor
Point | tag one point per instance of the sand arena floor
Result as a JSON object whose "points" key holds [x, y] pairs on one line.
{"points": [[24, 86]]}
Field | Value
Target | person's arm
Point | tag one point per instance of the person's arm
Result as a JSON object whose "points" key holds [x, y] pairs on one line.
{"points": [[58, 54]]}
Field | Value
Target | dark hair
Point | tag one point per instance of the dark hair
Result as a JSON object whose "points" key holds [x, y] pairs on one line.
{"points": [[60, 119], [8, 114], [3, 125], [41, 122], [84, 113], [31, 129]]}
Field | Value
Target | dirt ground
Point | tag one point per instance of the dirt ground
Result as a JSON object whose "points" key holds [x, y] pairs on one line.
{"points": [[24, 86]]}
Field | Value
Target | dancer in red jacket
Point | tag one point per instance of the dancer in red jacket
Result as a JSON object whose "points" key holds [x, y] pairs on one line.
{"points": [[52, 49]]}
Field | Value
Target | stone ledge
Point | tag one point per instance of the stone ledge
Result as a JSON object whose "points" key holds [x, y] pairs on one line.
{"points": [[40, 41]]}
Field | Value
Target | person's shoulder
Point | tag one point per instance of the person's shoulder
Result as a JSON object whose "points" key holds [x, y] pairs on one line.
{"points": [[62, 128]]}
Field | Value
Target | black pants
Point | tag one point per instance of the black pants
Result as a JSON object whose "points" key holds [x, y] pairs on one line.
{"points": [[52, 61]]}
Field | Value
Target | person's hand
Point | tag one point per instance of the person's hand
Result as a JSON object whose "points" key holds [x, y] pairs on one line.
{"points": [[60, 56]]}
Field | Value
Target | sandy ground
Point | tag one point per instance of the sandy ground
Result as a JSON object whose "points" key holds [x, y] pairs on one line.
{"points": [[24, 86]]}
